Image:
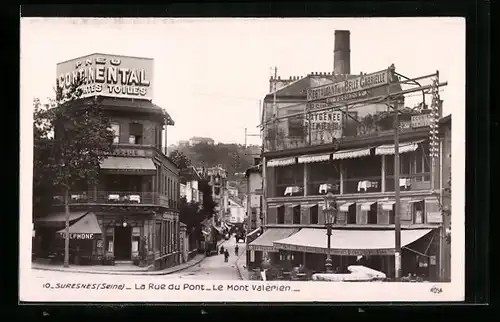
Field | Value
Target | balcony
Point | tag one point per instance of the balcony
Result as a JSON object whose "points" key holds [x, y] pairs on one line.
{"points": [[298, 132], [109, 197]]}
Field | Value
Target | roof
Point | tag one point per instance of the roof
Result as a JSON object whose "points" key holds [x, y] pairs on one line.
{"points": [[446, 119], [138, 104], [253, 169], [128, 163]]}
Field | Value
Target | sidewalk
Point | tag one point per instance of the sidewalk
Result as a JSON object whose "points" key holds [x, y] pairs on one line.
{"points": [[241, 263], [122, 270]]}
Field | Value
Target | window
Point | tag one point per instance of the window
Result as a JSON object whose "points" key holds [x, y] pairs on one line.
{"points": [[296, 215], [289, 180], [135, 133], [158, 236], [363, 174], [313, 213], [351, 215], [115, 127], [323, 177], [372, 214], [281, 215], [418, 212]]}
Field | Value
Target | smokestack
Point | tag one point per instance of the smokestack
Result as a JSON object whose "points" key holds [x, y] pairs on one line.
{"points": [[342, 53]]}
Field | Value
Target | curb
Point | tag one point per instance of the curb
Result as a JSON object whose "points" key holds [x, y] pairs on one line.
{"points": [[238, 266], [145, 273]]}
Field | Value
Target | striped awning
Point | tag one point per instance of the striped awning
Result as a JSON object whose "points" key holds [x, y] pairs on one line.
{"points": [[314, 158], [388, 149], [351, 154], [281, 162], [345, 207]]}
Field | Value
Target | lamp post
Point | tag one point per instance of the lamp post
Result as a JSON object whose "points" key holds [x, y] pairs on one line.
{"points": [[330, 211]]}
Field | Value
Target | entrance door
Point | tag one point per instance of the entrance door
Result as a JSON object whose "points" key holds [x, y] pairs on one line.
{"points": [[123, 243]]}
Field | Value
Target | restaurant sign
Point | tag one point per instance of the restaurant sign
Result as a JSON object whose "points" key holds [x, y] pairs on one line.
{"points": [[108, 75], [349, 89], [78, 235]]}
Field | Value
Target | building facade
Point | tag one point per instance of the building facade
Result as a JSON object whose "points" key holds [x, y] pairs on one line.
{"points": [[350, 154], [131, 216]]}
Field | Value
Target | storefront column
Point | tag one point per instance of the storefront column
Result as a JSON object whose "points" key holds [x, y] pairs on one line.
{"points": [[341, 179], [305, 179], [383, 173]]}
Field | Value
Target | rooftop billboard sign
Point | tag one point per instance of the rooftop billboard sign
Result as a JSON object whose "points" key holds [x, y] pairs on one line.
{"points": [[349, 89], [109, 75]]}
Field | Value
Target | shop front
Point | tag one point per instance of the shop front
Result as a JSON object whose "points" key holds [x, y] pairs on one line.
{"points": [[370, 248], [263, 248]]}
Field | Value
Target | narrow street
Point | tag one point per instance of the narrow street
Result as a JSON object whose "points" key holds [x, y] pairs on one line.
{"points": [[211, 268]]}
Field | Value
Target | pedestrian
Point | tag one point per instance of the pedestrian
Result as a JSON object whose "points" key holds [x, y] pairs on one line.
{"points": [[236, 248], [222, 250], [226, 256]]}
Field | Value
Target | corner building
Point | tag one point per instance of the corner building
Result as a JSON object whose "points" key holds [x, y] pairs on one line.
{"points": [[355, 161], [132, 214]]}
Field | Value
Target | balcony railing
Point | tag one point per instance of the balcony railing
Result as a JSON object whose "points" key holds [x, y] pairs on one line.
{"points": [[296, 132], [109, 197]]}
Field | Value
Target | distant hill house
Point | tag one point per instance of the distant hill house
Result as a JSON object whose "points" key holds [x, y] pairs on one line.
{"points": [[197, 140]]}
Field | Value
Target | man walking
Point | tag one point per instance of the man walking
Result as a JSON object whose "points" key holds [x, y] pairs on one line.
{"points": [[226, 256], [236, 248]]}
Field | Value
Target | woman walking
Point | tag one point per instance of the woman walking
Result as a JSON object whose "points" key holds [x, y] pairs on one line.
{"points": [[226, 256]]}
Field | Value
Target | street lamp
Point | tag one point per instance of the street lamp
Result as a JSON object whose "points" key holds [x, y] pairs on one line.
{"points": [[330, 211]]}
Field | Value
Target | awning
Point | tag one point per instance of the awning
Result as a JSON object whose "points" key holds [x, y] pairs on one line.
{"points": [[292, 205], [85, 228], [314, 158], [404, 147], [308, 205], [275, 206], [348, 242], [350, 154], [61, 217], [128, 164], [387, 205], [281, 162], [366, 206], [345, 207], [255, 231], [265, 241], [415, 200]]}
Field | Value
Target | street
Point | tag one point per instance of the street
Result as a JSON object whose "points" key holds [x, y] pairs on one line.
{"points": [[211, 268]]}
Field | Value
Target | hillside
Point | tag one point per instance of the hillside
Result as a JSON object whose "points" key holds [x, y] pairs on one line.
{"points": [[235, 158]]}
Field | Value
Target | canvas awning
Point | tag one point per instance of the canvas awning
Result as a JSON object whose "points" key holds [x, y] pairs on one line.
{"points": [[351, 154], [388, 149], [85, 228], [387, 204], [292, 205], [308, 205], [275, 205], [265, 241], [61, 217], [255, 231], [348, 242], [314, 158], [366, 206], [345, 207], [281, 162], [129, 164], [415, 200]]}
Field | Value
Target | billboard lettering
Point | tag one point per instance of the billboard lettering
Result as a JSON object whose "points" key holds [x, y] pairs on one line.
{"points": [[108, 75], [342, 89]]}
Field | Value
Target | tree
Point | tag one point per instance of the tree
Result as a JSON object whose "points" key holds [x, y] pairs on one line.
{"points": [[180, 159], [72, 136]]}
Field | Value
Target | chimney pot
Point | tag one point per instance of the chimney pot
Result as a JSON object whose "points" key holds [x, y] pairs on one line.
{"points": [[279, 77]]}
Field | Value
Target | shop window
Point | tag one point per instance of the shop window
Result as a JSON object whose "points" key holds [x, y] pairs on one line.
{"points": [[115, 127], [109, 240], [296, 215], [281, 215], [313, 213], [418, 212], [135, 133]]}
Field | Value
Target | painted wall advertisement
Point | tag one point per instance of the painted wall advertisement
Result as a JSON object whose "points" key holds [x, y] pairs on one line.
{"points": [[109, 75], [324, 125]]}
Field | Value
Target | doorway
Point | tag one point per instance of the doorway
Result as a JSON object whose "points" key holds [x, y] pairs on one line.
{"points": [[123, 243]]}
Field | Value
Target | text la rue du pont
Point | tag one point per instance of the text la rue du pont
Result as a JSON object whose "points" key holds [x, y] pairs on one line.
{"points": [[213, 287]]}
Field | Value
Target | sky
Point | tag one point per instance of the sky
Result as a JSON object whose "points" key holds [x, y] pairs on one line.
{"points": [[210, 74]]}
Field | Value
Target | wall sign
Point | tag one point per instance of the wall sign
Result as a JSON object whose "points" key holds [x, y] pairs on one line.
{"points": [[79, 236], [109, 75], [129, 152], [434, 217], [420, 120]]}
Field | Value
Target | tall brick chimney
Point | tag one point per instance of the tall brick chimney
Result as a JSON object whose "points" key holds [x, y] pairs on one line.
{"points": [[342, 53]]}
